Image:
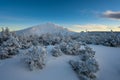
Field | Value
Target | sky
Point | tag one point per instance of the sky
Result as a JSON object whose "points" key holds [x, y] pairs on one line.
{"points": [[77, 15]]}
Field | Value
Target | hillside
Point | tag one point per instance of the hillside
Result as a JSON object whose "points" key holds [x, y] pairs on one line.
{"points": [[44, 28]]}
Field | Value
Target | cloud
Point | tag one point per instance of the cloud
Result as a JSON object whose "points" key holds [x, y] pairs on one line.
{"points": [[111, 15], [92, 27]]}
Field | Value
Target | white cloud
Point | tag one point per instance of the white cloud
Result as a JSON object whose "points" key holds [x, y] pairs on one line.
{"points": [[93, 27]]}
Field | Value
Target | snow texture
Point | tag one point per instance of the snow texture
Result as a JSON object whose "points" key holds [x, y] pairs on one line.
{"points": [[108, 59], [43, 29], [57, 68]]}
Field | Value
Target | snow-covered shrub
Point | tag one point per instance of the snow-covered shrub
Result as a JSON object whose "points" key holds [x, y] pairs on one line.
{"points": [[56, 40], [34, 39], [67, 38], [86, 53], [25, 41], [71, 48], [10, 46], [49, 39], [104, 38], [46, 39], [63, 46], [3, 53], [5, 33], [86, 66], [56, 51], [36, 57]]}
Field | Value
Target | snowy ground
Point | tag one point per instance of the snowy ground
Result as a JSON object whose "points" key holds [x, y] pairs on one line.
{"points": [[108, 58], [59, 69], [56, 69]]}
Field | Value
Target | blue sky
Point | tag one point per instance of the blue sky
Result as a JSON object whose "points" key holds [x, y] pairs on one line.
{"points": [[19, 14]]}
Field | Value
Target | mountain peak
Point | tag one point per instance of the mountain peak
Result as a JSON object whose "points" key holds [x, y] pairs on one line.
{"points": [[45, 28]]}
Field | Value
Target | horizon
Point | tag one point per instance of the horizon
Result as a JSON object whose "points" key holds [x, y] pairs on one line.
{"points": [[57, 26], [76, 15]]}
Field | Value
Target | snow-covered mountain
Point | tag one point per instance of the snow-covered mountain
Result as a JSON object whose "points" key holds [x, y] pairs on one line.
{"points": [[45, 28]]}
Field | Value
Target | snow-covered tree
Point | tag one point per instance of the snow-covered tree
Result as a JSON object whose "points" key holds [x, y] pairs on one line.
{"points": [[71, 48], [9, 43], [56, 51], [4, 53], [25, 41], [36, 57], [86, 66], [104, 38], [5, 33], [10, 46], [86, 53]]}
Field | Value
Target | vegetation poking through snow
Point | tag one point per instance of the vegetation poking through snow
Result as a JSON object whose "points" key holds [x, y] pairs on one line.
{"points": [[36, 57], [99, 38], [86, 66], [9, 44], [56, 51], [35, 53], [70, 48]]}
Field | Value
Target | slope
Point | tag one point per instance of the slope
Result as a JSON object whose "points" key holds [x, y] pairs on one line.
{"points": [[45, 28]]}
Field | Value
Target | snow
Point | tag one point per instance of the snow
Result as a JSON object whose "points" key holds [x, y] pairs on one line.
{"points": [[108, 59], [58, 68], [43, 29]]}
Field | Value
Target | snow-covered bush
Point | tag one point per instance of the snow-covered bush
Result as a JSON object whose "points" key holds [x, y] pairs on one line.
{"points": [[86, 66], [49, 39], [24, 41], [46, 39], [34, 39], [10, 46], [5, 33], [104, 38], [56, 51], [36, 57], [86, 53], [3, 53], [63, 46], [71, 48]]}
